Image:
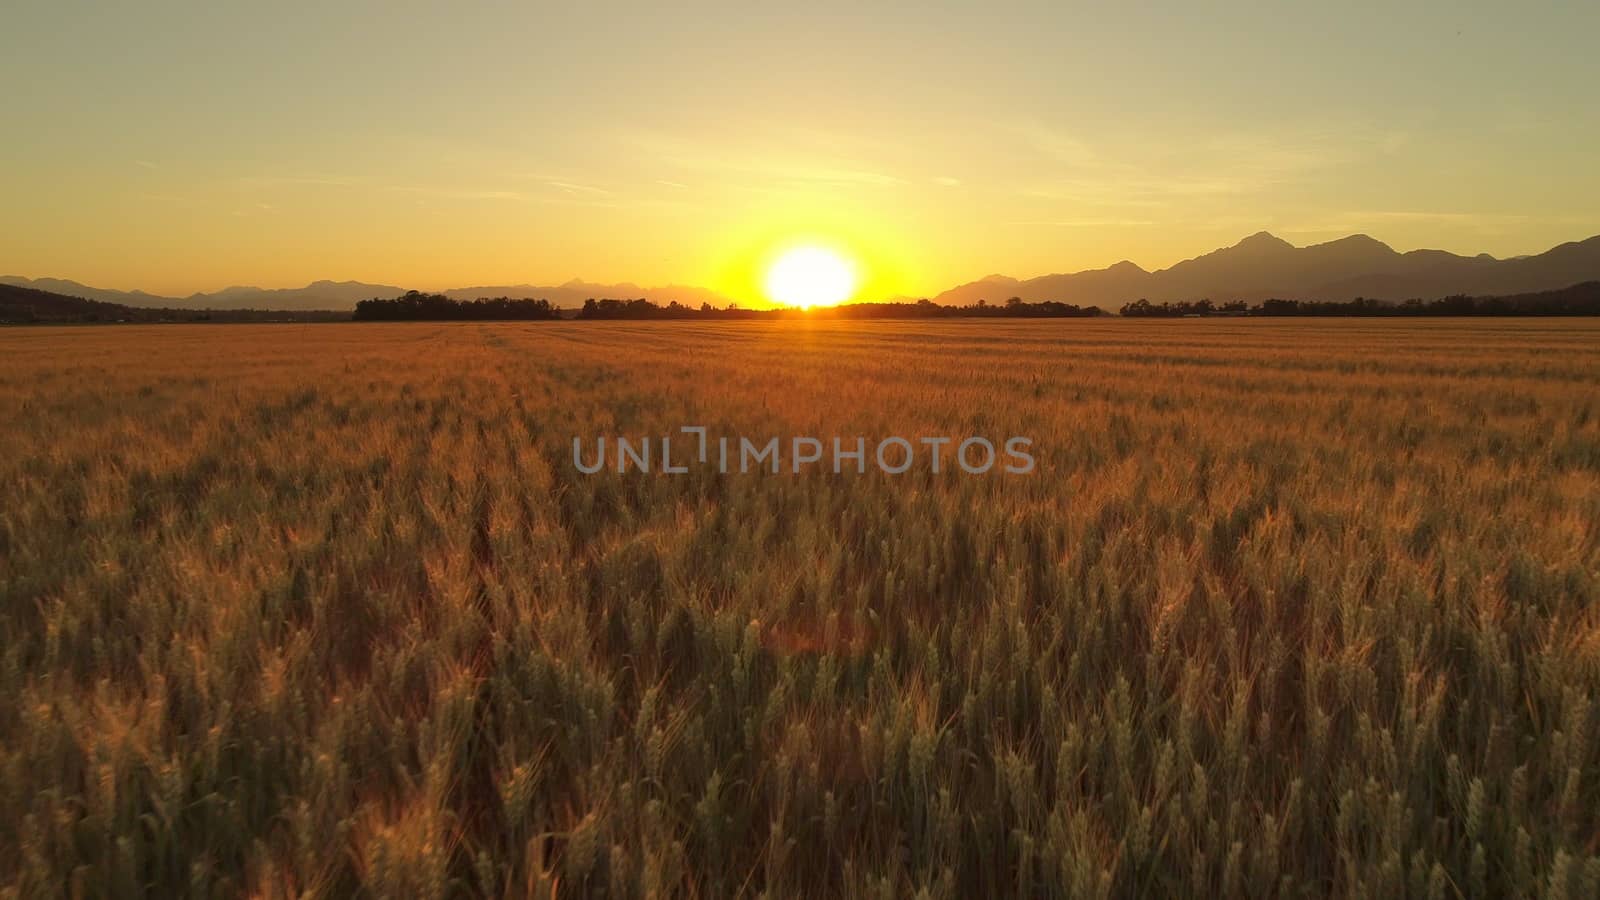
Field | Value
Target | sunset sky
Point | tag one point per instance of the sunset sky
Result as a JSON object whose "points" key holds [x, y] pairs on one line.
{"points": [[177, 147]]}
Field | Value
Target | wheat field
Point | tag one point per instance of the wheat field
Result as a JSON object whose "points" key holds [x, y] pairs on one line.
{"points": [[1287, 608]]}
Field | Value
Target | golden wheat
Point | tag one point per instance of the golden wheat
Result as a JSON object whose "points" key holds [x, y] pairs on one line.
{"points": [[1287, 608]]}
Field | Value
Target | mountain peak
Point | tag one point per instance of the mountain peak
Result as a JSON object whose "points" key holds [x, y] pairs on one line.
{"points": [[1359, 239], [1265, 240], [1355, 246]]}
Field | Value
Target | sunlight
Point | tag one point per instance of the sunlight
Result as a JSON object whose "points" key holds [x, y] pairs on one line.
{"points": [[810, 276]]}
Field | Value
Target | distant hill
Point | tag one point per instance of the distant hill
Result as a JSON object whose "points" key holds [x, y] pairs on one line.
{"points": [[1263, 266], [344, 295], [62, 287], [318, 295], [21, 304], [31, 306]]}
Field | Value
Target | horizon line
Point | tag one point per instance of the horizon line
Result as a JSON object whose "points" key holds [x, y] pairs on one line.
{"points": [[700, 287]]}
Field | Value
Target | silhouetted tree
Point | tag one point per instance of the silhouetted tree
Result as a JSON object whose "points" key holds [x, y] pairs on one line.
{"points": [[415, 306]]}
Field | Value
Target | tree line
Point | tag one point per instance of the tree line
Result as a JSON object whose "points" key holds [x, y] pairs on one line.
{"points": [[921, 309], [1577, 300], [413, 306], [419, 306]]}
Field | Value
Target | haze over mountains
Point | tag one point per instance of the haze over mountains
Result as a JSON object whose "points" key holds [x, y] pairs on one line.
{"points": [[1257, 268], [1262, 267], [343, 295]]}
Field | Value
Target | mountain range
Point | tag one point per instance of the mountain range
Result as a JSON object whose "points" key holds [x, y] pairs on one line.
{"points": [[343, 295], [1263, 266], [1257, 268]]}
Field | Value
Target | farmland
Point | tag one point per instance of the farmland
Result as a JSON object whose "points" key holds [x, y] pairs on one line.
{"points": [[1286, 608]]}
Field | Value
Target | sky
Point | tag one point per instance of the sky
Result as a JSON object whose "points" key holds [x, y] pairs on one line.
{"points": [[181, 147]]}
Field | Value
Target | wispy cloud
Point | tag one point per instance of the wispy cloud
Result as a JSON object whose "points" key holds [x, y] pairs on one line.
{"points": [[1124, 186], [1209, 165], [300, 180], [823, 174], [1061, 145], [1084, 223], [363, 183], [576, 187], [803, 158], [443, 193], [1347, 221]]}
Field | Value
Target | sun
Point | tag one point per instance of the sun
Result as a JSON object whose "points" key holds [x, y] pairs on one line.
{"points": [[810, 276]]}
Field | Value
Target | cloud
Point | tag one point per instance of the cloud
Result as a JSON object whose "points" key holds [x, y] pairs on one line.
{"points": [[799, 158], [1203, 165], [1085, 223], [300, 180], [573, 187], [1055, 143], [1129, 187], [834, 175], [1348, 221], [453, 193]]}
